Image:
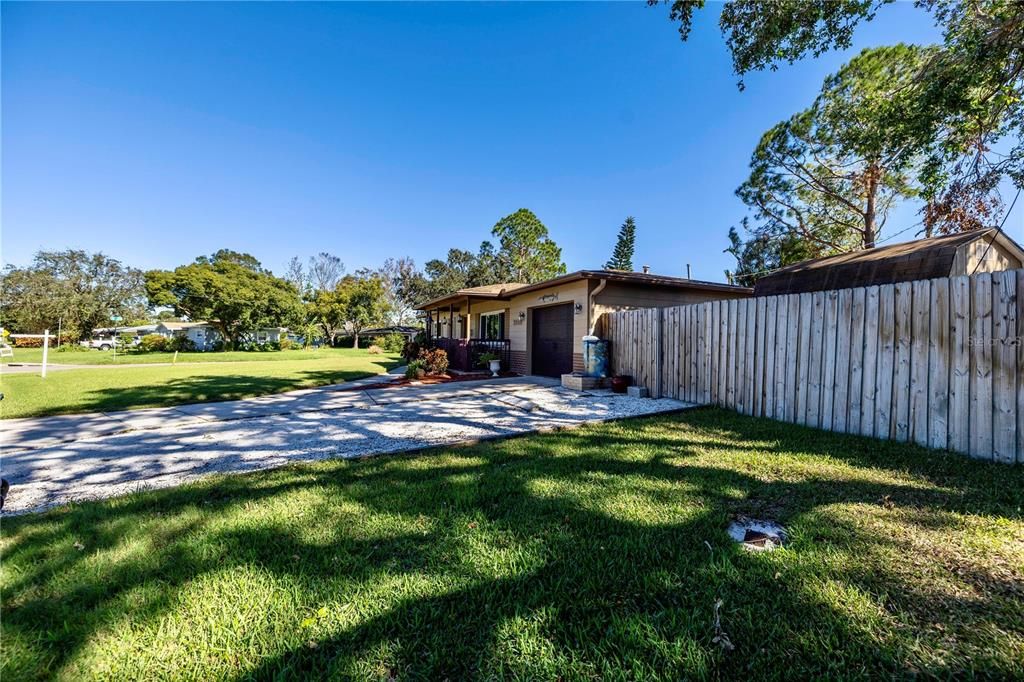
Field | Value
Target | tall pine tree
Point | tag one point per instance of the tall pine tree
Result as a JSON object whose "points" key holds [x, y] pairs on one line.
{"points": [[622, 257]]}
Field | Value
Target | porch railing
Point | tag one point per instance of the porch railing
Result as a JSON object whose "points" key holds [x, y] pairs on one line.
{"points": [[464, 355]]}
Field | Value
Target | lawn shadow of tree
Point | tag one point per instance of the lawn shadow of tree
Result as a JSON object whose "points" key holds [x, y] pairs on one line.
{"points": [[609, 555]]}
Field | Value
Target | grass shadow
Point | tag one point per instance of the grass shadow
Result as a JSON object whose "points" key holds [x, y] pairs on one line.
{"points": [[597, 552]]}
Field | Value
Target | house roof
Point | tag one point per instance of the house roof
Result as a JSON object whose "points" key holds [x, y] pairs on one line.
{"points": [[183, 325], [495, 291], [920, 259], [395, 329], [508, 290]]}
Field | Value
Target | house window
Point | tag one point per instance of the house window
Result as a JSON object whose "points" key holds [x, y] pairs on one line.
{"points": [[492, 325]]}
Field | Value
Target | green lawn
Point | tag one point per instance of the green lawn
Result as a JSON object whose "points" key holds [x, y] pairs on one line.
{"points": [[597, 553], [92, 389], [98, 357]]}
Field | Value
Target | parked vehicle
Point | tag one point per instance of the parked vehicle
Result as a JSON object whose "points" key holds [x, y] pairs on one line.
{"points": [[106, 341]]}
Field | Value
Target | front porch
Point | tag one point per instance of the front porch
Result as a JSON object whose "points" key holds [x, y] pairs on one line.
{"points": [[464, 354], [467, 326]]}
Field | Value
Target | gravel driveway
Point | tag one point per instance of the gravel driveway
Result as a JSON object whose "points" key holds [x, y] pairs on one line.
{"points": [[54, 460]]}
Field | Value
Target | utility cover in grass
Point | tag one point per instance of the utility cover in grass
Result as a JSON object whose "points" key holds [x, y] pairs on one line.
{"points": [[757, 535]]}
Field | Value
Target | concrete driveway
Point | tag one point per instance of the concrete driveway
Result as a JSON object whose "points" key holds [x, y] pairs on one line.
{"points": [[54, 460]]}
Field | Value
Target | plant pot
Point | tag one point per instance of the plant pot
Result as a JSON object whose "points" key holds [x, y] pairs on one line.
{"points": [[620, 383], [495, 365]]}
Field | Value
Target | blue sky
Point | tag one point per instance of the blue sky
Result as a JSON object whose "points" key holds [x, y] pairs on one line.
{"points": [[159, 132]]}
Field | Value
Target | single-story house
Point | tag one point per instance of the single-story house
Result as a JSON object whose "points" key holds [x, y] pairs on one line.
{"points": [[965, 253], [408, 332], [538, 328], [204, 335]]}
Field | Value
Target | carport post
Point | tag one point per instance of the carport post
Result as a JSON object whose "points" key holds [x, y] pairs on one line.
{"points": [[46, 351]]}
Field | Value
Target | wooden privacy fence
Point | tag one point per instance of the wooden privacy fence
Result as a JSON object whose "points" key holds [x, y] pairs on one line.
{"points": [[937, 362]]}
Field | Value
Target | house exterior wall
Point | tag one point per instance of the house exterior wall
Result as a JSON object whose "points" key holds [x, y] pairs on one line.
{"points": [[623, 296], [977, 256], [615, 296], [479, 307], [519, 330], [203, 337]]}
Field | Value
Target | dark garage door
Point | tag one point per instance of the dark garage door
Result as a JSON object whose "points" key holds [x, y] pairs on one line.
{"points": [[552, 340]]}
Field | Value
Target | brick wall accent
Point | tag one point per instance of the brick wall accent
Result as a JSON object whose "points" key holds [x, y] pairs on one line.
{"points": [[518, 361], [577, 362]]}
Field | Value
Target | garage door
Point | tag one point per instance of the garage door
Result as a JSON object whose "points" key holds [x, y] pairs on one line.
{"points": [[552, 340]]}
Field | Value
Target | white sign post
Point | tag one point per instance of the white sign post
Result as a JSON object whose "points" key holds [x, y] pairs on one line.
{"points": [[46, 350]]}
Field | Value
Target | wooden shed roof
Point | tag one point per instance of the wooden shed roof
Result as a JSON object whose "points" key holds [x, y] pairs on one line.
{"points": [[904, 262]]}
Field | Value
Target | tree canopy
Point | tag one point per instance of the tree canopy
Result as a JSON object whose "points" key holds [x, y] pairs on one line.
{"points": [[230, 290], [73, 290], [364, 300], [526, 253], [622, 256], [830, 174], [963, 102]]}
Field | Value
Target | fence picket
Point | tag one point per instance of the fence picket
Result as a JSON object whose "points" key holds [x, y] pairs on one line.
{"points": [[766, 363], [884, 363], [1020, 366], [919, 351], [828, 358], [960, 363], [791, 380], [981, 366], [856, 390], [748, 356], [899, 423], [938, 365], [803, 358], [1004, 366], [841, 401]]}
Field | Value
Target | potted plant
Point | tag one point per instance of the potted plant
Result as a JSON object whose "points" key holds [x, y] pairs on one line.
{"points": [[491, 361]]}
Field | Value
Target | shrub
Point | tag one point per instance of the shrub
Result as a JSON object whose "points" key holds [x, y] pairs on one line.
{"points": [[285, 344], [415, 370], [392, 343], [28, 343], [411, 351], [181, 343], [72, 348], [374, 350], [152, 343], [435, 360]]}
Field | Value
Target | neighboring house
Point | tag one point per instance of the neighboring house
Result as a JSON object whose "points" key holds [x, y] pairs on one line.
{"points": [[538, 328], [205, 336], [408, 332], [947, 256], [200, 333]]}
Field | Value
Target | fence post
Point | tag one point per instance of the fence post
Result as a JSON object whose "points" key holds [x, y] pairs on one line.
{"points": [[46, 351], [659, 351]]}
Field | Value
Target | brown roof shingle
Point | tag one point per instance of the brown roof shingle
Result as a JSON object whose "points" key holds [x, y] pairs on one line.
{"points": [[920, 259]]}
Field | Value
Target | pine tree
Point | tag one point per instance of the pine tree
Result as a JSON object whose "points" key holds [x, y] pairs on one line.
{"points": [[622, 257]]}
